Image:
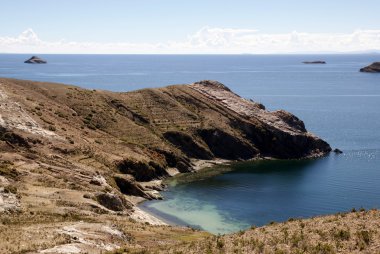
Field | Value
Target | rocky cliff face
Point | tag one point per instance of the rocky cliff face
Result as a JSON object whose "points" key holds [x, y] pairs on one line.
{"points": [[375, 67]]}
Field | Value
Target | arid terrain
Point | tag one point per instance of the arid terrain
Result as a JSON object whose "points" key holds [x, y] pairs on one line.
{"points": [[75, 162]]}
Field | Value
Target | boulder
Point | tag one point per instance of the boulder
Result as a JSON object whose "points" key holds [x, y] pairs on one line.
{"points": [[112, 201], [373, 68], [35, 60]]}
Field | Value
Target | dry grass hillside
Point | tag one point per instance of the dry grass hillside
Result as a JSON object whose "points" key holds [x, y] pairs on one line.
{"points": [[355, 232]]}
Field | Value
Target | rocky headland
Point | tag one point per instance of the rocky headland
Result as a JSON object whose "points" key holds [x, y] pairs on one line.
{"points": [[373, 68], [74, 159], [35, 60]]}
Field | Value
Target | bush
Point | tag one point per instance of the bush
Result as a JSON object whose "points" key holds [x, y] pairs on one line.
{"points": [[322, 248], [364, 238], [219, 243], [10, 189], [7, 170], [343, 235], [52, 128]]}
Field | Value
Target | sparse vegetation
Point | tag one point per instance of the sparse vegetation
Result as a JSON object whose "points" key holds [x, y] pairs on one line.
{"points": [[287, 237], [8, 170]]}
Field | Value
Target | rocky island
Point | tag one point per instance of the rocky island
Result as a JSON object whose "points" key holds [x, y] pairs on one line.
{"points": [[314, 62], [74, 162], [35, 60], [373, 68]]}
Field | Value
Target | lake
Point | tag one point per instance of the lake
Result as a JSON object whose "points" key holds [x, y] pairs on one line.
{"points": [[335, 100]]}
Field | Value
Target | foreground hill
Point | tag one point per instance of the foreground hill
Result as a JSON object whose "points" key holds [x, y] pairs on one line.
{"points": [[69, 154], [355, 232]]}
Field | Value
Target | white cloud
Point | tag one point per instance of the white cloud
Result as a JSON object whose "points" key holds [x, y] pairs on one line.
{"points": [[207, 40]]}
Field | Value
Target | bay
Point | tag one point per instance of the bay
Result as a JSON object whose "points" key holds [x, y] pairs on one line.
{"points": [[335, 100]]}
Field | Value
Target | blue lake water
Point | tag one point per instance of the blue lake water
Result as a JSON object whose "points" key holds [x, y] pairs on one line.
{"points": [[336, 102]]}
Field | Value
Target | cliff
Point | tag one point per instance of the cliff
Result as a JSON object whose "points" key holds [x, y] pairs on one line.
{"points": [[69, 152]]}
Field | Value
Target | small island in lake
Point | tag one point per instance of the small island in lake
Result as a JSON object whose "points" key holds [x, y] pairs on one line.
{"points": [[35, 60], [314, 62], [373, 68]]}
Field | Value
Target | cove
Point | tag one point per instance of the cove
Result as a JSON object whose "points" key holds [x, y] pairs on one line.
{"points": [[234, 197]]}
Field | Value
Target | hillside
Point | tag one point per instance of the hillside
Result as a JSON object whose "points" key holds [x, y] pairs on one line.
{"points": [[69, 154], [355, 232]]}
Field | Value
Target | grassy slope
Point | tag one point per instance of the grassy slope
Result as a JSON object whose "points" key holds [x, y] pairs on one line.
{"points": [[355, 232]]}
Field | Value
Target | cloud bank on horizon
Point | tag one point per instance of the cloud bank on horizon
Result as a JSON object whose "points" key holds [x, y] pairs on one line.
{"points": [[208, 40]]}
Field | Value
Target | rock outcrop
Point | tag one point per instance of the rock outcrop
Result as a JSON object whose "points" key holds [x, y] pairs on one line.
{"points": [[35, 60], [373, 68], [113, 201]]}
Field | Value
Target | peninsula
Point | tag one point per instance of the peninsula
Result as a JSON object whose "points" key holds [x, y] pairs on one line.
{"points": [[75, 162]]}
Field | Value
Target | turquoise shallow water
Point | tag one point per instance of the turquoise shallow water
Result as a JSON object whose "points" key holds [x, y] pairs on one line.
{"points": [[336, 102], [256, 193]]}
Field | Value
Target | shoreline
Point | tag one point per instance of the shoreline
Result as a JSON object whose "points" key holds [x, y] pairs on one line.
{"points": [[145, 215]]}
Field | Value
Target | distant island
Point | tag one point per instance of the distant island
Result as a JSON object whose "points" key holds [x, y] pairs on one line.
{"points": [[373, 68], [35, 60], [314, 62]]}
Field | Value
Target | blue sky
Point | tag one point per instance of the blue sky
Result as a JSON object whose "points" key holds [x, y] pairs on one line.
{"points": [[160, 21]]}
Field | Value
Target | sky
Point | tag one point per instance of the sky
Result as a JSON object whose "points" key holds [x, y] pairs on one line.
{"points": [[189, 27]]}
